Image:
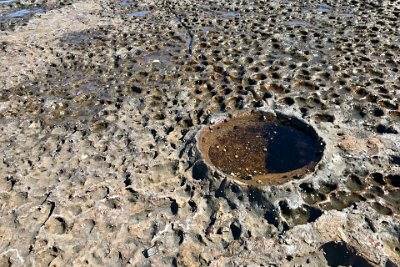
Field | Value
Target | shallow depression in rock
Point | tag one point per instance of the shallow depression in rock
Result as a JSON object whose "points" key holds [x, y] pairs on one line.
{"points": [[261, 149]]}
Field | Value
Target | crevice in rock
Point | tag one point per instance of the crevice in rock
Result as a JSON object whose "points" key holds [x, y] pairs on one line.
{"points": [[52, 208], [187, 28]]}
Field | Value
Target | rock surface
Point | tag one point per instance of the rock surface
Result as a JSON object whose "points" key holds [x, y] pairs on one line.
{"points": [[101, 102]]}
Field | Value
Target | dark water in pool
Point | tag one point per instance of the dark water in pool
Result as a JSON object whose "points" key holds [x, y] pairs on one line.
{"points": [[289, 148]]}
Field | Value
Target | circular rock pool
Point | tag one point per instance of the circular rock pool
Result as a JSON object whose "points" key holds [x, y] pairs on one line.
{"points": [[261, 149]]}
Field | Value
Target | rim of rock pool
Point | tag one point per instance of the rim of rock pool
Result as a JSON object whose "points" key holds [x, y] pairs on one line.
{"points": [[261, 148]]}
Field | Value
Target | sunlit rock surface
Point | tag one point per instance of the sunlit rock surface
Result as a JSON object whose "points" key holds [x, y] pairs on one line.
{"points": [[101, 104]]}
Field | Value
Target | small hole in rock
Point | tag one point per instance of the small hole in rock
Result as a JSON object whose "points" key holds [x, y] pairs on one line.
{"points": [[236, 231], [174, 207]]}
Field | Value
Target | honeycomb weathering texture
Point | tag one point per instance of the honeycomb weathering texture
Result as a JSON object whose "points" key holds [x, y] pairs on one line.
{"points": [[101, 103]]}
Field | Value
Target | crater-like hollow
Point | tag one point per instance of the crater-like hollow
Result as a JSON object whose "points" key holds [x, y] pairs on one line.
{"points": [[261, 149]]}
